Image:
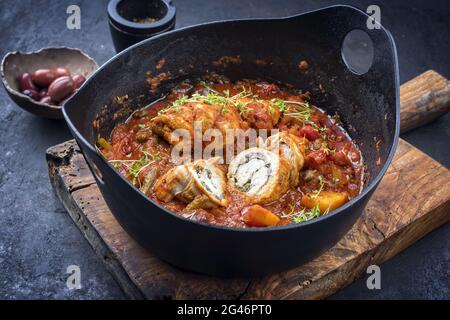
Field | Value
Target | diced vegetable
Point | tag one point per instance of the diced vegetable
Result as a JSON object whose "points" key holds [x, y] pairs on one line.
{"points": [[257, 216], [338, 176], [104, 144], [309, 133], [142, 136], [314, 159], [326, 200], [340, 158]]}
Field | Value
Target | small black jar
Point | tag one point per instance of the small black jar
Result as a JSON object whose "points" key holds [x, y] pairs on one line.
{"points": [[132, 21]]}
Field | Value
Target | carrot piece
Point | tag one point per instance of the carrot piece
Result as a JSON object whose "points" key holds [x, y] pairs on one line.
{"points": [[257, 216], [326, 200]]}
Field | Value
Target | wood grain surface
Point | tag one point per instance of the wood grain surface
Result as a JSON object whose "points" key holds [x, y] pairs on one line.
{"points": [[412, 199], [423, 99]]}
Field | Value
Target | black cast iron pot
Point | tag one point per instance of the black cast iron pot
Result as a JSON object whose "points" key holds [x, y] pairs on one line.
{"points": [[368, 105]]}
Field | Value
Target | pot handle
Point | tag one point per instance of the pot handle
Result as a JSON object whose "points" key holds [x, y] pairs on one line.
{"points": [[422, 99], [338, 22]]}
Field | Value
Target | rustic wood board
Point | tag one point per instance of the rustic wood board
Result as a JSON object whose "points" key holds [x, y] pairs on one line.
{"points": [[412, 200]]}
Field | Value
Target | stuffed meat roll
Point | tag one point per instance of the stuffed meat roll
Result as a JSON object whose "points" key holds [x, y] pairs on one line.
{"points": [[229, 119], [227, 122], [259, 114], [292, 149], [201, 184], [260, 175], [183, 117]]}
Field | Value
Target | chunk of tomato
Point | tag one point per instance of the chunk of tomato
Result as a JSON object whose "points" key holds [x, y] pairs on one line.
{"points": [[314, 159], [309, 133], [340, 158]]}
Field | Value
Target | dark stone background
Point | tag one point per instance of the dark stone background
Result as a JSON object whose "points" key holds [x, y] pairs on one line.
{"points": [[38, 240]]}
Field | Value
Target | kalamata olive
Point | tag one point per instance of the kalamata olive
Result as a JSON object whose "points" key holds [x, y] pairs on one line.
{"points": [[43, 77], [43, 92], [79, 80], [26, 83], [46, 99], [61, 88], [61, 71], [33, 94]]}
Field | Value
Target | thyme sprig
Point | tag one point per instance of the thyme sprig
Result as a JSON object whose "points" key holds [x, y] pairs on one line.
{"points": [[175, 105]]}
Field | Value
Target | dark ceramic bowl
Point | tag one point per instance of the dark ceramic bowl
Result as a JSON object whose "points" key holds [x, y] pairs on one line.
{"points": [[16, 63], [129, 20]]}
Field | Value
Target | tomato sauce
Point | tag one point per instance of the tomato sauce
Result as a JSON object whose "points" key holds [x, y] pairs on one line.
{"points": [[332, 162]]}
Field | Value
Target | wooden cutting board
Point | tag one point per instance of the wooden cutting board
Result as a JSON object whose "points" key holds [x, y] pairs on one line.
{"points": [[412, 199]]}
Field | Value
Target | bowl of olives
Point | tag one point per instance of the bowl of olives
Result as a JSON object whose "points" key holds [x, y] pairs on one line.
{"points": [[41, 81]]}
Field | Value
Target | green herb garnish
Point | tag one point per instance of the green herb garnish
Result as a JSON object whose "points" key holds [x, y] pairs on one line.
{"points": [[302, 215], [321, 185], [175, 105], [135, 167], [327, 149], [279, 104], [241, 106], [302, 113]]}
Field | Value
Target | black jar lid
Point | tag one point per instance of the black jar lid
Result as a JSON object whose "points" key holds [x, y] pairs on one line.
{"points": [[122, 12]]}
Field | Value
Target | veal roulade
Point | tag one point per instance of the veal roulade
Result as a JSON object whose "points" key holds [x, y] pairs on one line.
{"points": [[258, 174]]}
